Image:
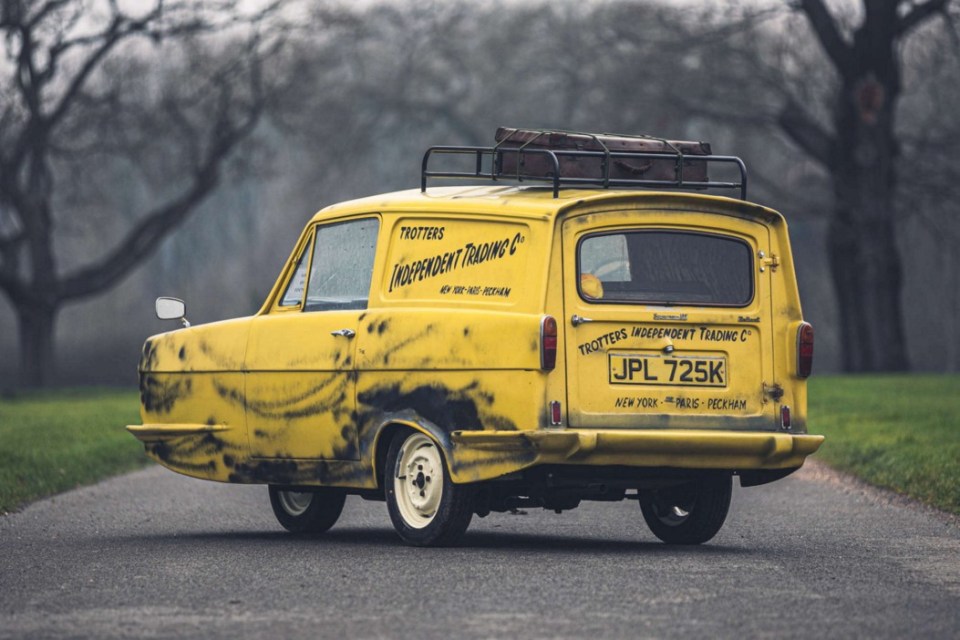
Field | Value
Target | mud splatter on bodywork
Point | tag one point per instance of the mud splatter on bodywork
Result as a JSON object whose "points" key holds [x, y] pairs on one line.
{"points": [[311, 427], [308, 415], [422, 402], [188, 425], [455, 409], [158, 393]]}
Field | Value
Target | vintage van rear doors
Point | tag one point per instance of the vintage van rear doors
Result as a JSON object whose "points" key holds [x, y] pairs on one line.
{"points": [[668, 320]]}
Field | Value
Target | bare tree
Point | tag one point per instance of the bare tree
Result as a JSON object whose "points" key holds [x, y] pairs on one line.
{"points": [[860, 153], [76, 89], [835, 90]]}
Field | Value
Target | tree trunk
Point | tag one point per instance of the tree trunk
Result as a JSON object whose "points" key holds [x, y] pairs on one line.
{"points": [[864, 257], [866, 272], [36, 327], [860, 155]]}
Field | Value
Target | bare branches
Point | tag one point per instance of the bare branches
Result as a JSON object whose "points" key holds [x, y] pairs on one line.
{"points": [[158, 224], [141, 240], [45, 10], [79, 84], [828, 33], [229, 106], [806, 133], [117, 31], [919, 13]]}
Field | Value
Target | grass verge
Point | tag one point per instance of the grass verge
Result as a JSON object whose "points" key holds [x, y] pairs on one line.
{"points": [[57, 440], [901, 432]]}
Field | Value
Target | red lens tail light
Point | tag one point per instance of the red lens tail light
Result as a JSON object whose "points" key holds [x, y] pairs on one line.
{"points": [[556, 415], [785, 422], [805, 350], [548, 343]]}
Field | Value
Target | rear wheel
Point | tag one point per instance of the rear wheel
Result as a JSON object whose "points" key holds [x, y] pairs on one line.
{"points": [[690, 514], [426, 507], [313, 511]]}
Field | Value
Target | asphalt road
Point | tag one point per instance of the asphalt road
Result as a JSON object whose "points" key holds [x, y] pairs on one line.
{"points": [[154, 554]]}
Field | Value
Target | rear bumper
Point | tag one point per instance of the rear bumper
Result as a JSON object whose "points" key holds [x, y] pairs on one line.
{"points": [[483, 455]]}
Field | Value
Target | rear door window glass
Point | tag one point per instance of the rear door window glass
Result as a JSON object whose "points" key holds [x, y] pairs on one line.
{"points": [[665, 267]]}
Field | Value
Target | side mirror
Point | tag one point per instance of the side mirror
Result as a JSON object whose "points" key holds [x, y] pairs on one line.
{"points": [[172, 309]]}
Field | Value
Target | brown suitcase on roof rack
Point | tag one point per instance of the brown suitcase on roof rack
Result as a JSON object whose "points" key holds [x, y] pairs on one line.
{"points": [[654, 169]]}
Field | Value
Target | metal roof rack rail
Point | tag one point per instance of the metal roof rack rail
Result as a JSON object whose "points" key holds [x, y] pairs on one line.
{"points": [[553, 157]]}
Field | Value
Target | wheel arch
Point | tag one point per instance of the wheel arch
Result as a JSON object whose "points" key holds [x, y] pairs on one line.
{"points": [[389, 429]]}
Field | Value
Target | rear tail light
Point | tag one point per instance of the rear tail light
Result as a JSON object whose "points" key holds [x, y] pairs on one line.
{"points": [[548, 343], [556, 415], [805, 350], [785, 423]]}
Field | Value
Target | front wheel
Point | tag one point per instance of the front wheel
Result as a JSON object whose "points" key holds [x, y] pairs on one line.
{"points": [[689, 514], [313, 511], [426, 507]]}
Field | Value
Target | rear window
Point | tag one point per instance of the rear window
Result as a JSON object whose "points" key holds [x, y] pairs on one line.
{"points": [[665, 267]]}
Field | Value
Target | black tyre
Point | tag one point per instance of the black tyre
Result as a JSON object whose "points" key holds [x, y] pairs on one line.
{"points": [[310, 511], [689, 514], [426, 507]]}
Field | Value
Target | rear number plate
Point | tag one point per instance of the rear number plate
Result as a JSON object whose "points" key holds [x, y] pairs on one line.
{"points": [[655, 369]]}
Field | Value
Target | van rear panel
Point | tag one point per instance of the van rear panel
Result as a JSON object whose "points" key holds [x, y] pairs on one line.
{"points": [[668, 321]]}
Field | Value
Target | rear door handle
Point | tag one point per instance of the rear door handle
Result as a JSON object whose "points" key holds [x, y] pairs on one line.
{"points": [[346, 333]]}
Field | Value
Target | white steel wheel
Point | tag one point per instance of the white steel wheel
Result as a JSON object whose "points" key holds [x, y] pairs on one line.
{"points": [[295, 503], [426, 507], [418, 481]]}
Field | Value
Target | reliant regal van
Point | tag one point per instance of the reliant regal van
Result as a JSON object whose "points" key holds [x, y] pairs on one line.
{"points": [[581, 321]]}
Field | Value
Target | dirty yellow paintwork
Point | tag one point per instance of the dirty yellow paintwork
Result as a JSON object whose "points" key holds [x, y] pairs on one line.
{"points": [[449, 344]]}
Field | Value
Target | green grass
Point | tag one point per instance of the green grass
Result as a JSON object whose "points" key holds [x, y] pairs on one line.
{"points": [[897, 431], [55, 441]]}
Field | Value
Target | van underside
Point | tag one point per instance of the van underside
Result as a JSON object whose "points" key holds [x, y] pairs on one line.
{"points": [[563, 487]]}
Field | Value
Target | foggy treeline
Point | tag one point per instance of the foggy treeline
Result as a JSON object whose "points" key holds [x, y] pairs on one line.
{"points": [[357, 93]]}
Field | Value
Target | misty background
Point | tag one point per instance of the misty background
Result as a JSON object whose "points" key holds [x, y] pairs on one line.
{"points": [[334, 101]]}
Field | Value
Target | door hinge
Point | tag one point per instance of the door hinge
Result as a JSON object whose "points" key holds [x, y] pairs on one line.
{"points": [[771, 261]]}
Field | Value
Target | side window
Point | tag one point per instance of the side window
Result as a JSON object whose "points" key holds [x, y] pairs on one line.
{"points": [[342, 265], [665, 267], [293, 296]]}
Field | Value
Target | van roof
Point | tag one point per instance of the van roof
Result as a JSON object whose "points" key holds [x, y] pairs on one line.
{"points": [[532, 202]]}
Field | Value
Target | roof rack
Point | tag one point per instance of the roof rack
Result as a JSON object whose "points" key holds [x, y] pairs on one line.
{"points": [[604, 158]]}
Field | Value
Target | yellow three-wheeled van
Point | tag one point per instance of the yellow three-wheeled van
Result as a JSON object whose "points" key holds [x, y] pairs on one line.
{"points": [[557, 334]]}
